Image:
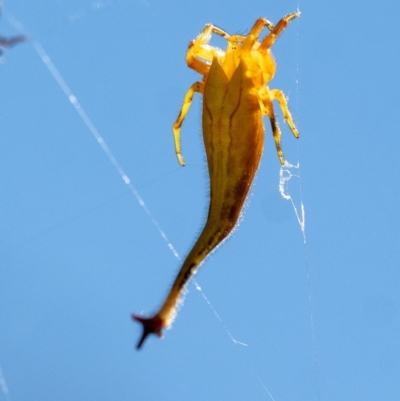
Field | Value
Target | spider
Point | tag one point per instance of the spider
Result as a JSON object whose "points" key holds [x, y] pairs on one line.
{"points": [[235, 99]]}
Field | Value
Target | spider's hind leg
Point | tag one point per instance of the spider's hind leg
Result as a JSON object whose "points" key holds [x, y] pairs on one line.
{"points": [[278, 95]]}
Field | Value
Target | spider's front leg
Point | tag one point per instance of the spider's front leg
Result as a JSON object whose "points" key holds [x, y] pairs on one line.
{"points": [[254, 33], [277, 30]]}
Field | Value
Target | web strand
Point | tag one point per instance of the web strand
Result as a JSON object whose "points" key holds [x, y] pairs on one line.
{"points": [[100, 140], [285, 175], [3, 386]]}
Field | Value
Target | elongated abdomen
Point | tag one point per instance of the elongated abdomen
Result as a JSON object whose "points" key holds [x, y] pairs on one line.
{"points": [[234, 137]]}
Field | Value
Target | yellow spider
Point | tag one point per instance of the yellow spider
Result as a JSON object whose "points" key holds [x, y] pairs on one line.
{"points": [[235, 99]]}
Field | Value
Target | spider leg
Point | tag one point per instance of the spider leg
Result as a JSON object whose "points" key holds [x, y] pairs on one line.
{"points": [[200, 53], [278, 95], [267, 108], [187, 101], [255, 33], [277, 30]]}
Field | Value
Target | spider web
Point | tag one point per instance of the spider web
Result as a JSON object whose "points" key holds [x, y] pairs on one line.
{"points": [[75, 103]]}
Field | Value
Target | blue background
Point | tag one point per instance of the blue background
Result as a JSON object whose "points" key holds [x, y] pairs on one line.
{"points": [[78, 253]]}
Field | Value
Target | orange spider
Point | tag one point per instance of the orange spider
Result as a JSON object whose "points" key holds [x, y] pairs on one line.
{"points": [[235, 99]]}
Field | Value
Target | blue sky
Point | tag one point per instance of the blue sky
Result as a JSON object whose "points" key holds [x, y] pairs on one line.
{"points": [[79, 254]]}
